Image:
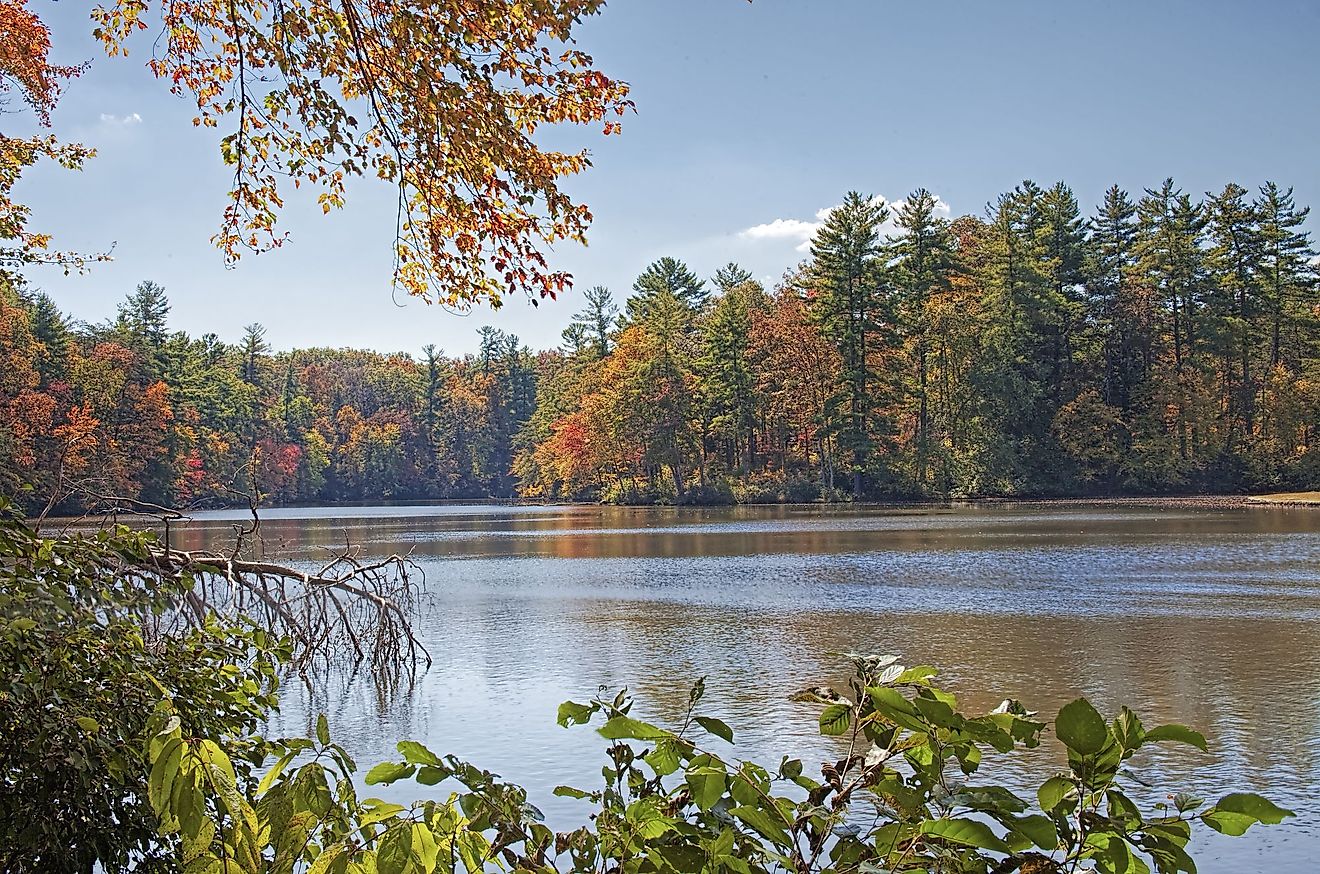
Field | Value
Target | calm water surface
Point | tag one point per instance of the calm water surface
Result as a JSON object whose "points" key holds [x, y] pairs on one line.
{"points": [[1205, 616]]}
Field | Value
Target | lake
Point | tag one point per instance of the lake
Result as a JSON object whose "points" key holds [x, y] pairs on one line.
{"points": [[1208, 616]]}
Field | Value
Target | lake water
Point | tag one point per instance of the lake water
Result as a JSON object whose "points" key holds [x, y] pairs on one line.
{"points": [[1207, 616]]}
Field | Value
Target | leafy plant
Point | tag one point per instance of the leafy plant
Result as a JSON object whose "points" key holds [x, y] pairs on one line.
{"points": [[84, 658], [903, 797]]}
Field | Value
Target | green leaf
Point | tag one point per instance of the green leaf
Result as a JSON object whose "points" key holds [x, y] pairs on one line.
{"points": [[1235, 813], [1178, 734], [429, 775], [764, 823], [1038, 829], [1169, 856], [967, 832], [621, 727], [322, 729], [935, 712], [918, 674], [273, 774], [472, 849], [835, 719], [378, 811], [664, 757], [1128, 730], [327, 858], [706, 786], [1052, 793], [87, 724], [1081, 728], [893, 706], [570, 792], [570, 712], [716, 727], [417, 754], [388, 772], [163, 772], [646, 819], [424, 845], [394, 853]]}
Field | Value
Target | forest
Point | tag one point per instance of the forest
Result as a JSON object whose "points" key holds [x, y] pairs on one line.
{"points": [[1166, 343]]}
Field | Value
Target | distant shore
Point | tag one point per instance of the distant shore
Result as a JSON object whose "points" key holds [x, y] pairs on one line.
{"points": [[1166, 502], [1288, 499]]}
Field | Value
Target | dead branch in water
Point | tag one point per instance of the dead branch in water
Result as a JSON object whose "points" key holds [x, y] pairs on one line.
{"points": [[346, 610]]}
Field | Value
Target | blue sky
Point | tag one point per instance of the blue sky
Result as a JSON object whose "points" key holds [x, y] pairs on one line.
{"points": [[751, 119]]}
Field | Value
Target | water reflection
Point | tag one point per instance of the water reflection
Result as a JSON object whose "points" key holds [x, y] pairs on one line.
{"points": [[1208, 617]]}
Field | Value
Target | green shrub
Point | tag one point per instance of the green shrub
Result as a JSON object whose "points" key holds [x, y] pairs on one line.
{"points": [[906, 795], [87, 649]]}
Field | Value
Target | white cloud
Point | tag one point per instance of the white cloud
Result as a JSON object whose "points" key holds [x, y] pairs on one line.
{"points": [[802, 230], [121, 120], [781, 229]]}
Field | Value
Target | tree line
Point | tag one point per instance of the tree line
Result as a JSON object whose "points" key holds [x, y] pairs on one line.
{"points": [[1163, 344]]}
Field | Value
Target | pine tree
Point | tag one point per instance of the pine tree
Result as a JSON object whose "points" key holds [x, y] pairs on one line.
{"points": [[731, 275], [661, 389], [143, 321], [51, 329], [854, 308], [1171, 260], [728, 380], [1015, 373], [576, 341], [595, 322], [1120, 317], [1287, 277], [1061, 242], [1234, 258], [923, 262], [253, 347], [666, 275]]}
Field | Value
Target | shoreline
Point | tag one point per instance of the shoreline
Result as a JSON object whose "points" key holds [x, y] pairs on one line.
{"points": [[1291, 500]]}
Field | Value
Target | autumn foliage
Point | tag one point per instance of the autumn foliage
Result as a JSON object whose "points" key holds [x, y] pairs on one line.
{"points": [[441, 99], [26, 72]]}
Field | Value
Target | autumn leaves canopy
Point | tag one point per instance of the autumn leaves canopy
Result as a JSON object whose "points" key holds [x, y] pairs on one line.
{"points": [[441, 99]]}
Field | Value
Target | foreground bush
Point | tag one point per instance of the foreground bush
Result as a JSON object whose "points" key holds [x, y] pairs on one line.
{"points": [[87, 650], [901, 798]]}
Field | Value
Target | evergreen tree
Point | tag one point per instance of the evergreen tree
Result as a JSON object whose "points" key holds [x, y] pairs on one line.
{"points": [[1287, 277], [730, 402], [923, 262], [51, 329], [596, 320], [576, 341], [253, 347], [1171, 260], [1234, 258], [1014, 377], [1061, 242], [731, 275], [853, 306], [667, 275], [142, 320], [1119, 314], [145, 314], [659, 394]]}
